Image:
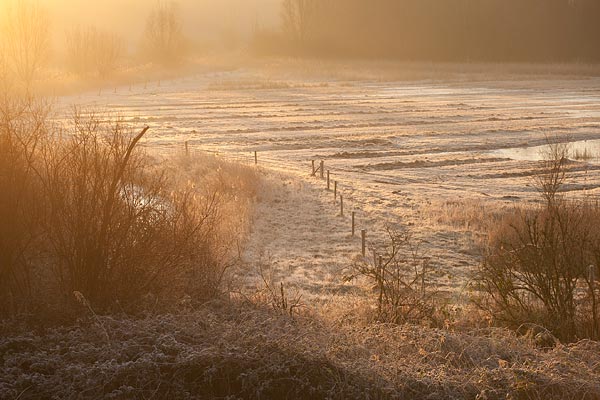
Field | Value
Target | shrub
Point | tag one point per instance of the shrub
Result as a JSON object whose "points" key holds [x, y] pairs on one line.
{"points": [[401, 280], [118, 228], [22, 131], [541, 262], [87, 211], [537, 269]]}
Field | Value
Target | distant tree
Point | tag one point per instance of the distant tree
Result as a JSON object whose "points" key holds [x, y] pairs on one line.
{"points": [[93, 52], [298, 17], [25, 28], [163, 41]]}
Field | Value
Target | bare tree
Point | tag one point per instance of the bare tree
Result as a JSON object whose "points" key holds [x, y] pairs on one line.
{"points": [[26, 32], [93, 52], [298, 18], [22, 130], [549, 181], [163, 37]]}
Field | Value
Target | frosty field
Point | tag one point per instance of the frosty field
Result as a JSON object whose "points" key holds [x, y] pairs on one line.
{"points": [[438, 158]]}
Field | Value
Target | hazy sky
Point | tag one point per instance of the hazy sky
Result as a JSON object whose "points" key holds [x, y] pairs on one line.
{"points": [[203, 19]]}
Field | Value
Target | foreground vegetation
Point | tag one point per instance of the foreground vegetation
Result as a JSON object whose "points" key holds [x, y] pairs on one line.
{"points": [[114, 283], [90, 218], [242, 350]]}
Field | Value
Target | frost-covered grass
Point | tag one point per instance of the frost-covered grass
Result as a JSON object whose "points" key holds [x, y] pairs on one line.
{"points": [[231, 350], [405, 154], [403, 142]]}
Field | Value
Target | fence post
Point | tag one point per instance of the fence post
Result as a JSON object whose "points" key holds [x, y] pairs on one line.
{"points": [[328, 187], [592, 278], [382, 281], [187, 150], [334, 191], [255, 158], [322, 167], [374, 258], [313, 167], [341, 205], [363, 233], [353, 214]]}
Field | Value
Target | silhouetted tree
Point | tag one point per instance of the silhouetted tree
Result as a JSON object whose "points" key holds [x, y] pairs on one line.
{"points": [[93, 52], [25, 27], [163, 37], [298, 17]]}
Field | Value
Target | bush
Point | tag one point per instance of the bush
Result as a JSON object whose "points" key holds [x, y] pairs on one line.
{"points": [[401, 281], [541, 264], [22, 131], [537, 270], [88, 211]]}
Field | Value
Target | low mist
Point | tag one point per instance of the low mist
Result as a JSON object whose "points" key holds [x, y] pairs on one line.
{"points": [[205, 21], [299, 199]]}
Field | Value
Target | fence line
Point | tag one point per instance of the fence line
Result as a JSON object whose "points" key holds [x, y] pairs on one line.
{"points": [[254, 158], [317, 170], [338, 192]]}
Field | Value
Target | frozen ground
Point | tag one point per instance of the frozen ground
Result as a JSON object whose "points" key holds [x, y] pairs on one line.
{"points": [[435, 157]]}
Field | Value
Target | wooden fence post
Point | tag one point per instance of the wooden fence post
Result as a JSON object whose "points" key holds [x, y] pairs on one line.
{"points": [[592, 278], [341, 205], [353, 214], [328, 187], [382, 281], [255, 158], [363, 234], [187, 149], [374, 258], [313, 167], [322, 167], [334, 191]]}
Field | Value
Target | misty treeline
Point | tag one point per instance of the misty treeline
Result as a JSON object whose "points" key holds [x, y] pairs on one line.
{"points": [[439, 30], [88, 51]]}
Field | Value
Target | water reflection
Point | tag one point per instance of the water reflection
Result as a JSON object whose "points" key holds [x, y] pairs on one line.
{"points": [[583, 150]]}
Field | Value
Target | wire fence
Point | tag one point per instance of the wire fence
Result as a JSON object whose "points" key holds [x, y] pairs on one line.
{"points": [[340, 188]]}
